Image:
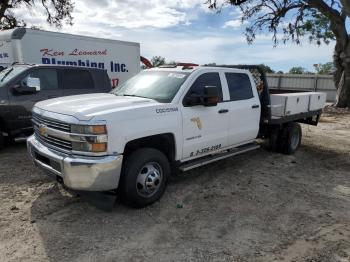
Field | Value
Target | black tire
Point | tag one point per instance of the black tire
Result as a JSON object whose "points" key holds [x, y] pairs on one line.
{"points": [[272, 143], [290, 139], [145, 165], [2, 140]]}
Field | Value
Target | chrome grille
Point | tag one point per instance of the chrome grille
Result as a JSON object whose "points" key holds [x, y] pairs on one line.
{"points": [[50, 140], [49, 122], [53, 141]]}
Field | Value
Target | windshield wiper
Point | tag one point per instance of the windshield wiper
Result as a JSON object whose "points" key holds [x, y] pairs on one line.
{"points": [[6, 74], [136, 96]]}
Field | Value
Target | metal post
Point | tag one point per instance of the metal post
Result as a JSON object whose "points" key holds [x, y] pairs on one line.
{"points": [[316, 83], [279, 82]]}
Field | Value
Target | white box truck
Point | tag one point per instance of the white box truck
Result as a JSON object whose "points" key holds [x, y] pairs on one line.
{"points": [[121, 59]]}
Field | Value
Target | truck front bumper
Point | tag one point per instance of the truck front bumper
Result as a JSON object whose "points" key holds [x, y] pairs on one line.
{"points": [[76, 172]]}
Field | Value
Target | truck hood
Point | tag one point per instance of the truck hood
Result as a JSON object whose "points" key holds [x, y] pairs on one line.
{"points": [[85, 107]]}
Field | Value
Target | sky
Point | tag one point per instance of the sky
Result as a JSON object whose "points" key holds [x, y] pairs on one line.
{"points": [[182, 31]]}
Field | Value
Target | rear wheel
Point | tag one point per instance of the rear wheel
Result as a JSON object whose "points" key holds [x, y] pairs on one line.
{"points": [[2, 139], [144, 177], [272, 142], [290, 139]]}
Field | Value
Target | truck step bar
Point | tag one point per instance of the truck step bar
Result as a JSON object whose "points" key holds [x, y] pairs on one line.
{"points": [[219, 156]]}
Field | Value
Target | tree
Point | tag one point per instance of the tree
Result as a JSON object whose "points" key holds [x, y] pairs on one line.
{"points": [[297, 70], [158, 61], [324, 69], [319, 20], [56, 11], [267, 69]]}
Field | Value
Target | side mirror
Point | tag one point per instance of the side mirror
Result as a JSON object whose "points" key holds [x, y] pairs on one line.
{"points": [[23, 90], [193, 100], [211, 96], [31, 85], [34, 82]]}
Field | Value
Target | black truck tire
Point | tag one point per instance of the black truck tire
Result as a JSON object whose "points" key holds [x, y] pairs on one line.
{"points": [[2, 140], [144, 177], [272, 142], [290, 138]]}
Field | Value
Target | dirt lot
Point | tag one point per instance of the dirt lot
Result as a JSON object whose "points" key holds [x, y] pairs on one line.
{"points": [[260, 206]]}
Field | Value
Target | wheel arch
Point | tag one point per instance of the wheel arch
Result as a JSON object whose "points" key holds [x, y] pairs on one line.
{"points": [[164, 142]]}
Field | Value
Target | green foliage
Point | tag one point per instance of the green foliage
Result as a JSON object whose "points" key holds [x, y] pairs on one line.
{"points": [[56, 11], [289, 20], [267, 69], [297, 70], [317, 27], [324, 69], [158, 61]]}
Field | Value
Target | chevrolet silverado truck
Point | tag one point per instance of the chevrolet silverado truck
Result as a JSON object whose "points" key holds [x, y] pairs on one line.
{"points": [[162, 121]]}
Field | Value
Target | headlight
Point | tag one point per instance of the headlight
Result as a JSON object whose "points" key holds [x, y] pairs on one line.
{"points": [[89, 129], [90, 147], [89, 138]]}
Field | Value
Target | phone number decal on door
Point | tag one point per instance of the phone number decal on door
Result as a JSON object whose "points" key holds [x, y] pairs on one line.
{"points": [[205, 150]]}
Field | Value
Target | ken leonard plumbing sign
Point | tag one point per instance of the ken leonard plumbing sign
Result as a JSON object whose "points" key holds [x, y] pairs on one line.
{"points": [[49, 56]]}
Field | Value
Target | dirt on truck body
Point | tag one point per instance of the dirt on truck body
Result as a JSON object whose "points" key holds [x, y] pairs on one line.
{"points": [[261, 206]]}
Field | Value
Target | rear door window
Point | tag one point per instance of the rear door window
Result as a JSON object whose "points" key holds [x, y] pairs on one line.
{"points": [[77, 79], [239, 86]]}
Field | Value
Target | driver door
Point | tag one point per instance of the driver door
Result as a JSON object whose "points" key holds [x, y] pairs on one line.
{"points": [[46, 83], [205, 128]]}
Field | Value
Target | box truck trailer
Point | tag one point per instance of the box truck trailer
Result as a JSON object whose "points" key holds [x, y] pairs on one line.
{"points": [[120, 59]]}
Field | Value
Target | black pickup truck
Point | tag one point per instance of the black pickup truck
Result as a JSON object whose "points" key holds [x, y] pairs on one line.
{"points": [[22, 85]]}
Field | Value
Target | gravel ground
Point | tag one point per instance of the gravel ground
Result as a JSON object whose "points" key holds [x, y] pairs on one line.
{"points": [[261, 206]]}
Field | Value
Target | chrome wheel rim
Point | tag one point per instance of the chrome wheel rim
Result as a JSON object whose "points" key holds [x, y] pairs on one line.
{"points": [[149, 179]]}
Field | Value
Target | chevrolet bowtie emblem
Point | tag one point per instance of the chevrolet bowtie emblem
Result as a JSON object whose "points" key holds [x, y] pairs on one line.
{"points": [[43, 130], [198, 121]]}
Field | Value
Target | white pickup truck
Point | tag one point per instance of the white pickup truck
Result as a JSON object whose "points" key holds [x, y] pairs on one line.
{"points": [[134, 139]]}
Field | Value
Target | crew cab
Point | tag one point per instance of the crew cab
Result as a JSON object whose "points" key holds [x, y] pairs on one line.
{"points": [[163, 120], [23, 85]]}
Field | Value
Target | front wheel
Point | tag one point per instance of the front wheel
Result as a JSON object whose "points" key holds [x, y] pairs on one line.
{"points": [[144, 177]]}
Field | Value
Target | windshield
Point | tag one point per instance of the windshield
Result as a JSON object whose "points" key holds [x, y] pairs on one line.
{"points": [[161, 86], [8, 73]]}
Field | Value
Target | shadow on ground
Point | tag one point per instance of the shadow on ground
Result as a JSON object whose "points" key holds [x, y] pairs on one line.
{"points": [[252, 207]]}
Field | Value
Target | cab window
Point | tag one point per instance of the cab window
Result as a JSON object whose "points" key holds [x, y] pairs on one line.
{"points": [[47, 77], [206, 79], [239, 86], [77, 79]]}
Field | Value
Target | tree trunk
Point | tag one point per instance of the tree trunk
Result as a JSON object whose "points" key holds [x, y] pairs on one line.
{"points": [[342, 74]]}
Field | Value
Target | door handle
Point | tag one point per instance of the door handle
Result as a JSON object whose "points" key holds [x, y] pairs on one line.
{"points": [[223, 111], [255, 106]]}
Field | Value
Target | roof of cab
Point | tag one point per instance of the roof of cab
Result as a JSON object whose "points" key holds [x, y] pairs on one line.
{"points": [[192, 69], [174, 68]]}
